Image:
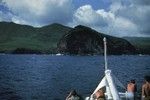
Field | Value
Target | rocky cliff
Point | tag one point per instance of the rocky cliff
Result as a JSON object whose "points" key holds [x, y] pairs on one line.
{"points": [[83, 40]]}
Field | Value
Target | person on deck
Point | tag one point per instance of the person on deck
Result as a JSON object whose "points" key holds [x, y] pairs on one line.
{"points": [[146, 88], [73, 96], [132, 88], [99, 95]]}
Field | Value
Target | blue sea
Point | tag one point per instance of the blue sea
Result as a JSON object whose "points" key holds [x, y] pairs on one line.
{"points": [[50, 77]]}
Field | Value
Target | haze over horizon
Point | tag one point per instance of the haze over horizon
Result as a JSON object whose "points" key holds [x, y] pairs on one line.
{"points": [[113, 17]]}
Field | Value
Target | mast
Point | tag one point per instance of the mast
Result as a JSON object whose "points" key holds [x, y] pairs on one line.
{"points": [[105, 52], [111, 89], [108, 81]]}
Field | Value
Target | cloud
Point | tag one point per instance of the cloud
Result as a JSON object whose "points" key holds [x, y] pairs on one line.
{"points": [[123, 27], [127, 18], [115, 6], [140, 2], [103, 21], [139, 14], [40, 12], [87, 16], [119, 18]]}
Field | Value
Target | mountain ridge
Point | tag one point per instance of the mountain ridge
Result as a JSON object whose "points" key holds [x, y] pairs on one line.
{"points": [[17, 38]]}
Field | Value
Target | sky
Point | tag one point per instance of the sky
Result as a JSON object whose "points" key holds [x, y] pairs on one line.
{"points": [[113, 17]]}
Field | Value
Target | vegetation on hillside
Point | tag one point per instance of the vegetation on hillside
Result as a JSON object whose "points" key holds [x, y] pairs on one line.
{"points": [[15, 38], [18, 37], [142, 44]]}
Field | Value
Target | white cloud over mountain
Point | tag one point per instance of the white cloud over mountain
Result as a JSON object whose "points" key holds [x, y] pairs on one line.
{"points": [[86, 15], [40, 12], [103, 21], [120, 18], [128, 19]]}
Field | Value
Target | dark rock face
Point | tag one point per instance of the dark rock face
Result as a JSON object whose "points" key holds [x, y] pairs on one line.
{"points": [[83, 40], [25, 51]]}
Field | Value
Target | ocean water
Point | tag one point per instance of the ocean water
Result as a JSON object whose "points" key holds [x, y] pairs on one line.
{"points": [[49, 77]]}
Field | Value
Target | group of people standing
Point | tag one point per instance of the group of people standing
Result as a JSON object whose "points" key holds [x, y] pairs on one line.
{"points": [[131, 89]]}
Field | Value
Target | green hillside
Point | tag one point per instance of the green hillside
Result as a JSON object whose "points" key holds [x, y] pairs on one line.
{"points": [[141, 43], [44, 39], [56, 38]]}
